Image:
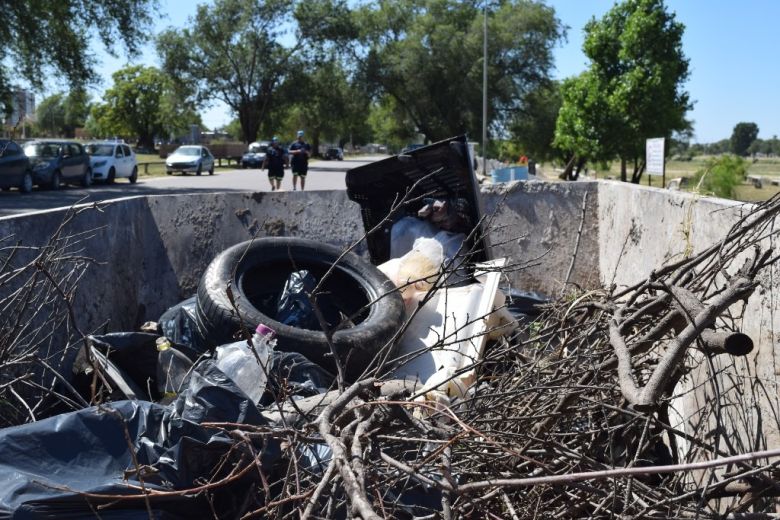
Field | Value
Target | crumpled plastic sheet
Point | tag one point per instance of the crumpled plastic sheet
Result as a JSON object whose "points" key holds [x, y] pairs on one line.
{"points": [[179, 324], [44, 465], [294, 306]]}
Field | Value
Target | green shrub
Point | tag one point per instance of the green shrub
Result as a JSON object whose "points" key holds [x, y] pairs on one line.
{"points": [[721, 175]]}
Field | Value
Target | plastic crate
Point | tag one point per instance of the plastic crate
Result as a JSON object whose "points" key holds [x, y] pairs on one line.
{"points": [[395, 187]]}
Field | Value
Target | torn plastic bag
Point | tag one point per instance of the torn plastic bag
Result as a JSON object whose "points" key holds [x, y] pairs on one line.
{"points": [[179, 325], [44, 465], [294, 307], [129, 362], [524, 303], [301, 377]]}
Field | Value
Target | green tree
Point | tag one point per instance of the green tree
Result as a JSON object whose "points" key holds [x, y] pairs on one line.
{"points": [[53, 36], [232, 52], [742, 137], [533, 127], [50, 116], [59, 115], [427, 56], [721, 175], [142, 103], [324, 101], [632, 89]]}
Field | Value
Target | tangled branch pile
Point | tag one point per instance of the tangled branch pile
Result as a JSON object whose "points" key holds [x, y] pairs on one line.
{"points": [[570, 417], [37, 286]]}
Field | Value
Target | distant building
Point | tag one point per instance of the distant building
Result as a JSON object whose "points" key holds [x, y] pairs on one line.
{"points": [[22, 107]]}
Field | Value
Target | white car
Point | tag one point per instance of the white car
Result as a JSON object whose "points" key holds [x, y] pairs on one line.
{"points": [[111, 160], [190, 158]]}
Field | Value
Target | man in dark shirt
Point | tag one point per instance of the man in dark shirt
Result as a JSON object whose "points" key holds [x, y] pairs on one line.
{"points": [[275, 160], [300, 151]]}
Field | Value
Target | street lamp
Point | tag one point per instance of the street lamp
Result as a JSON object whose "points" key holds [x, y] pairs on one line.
{"points": [[484, 86]]}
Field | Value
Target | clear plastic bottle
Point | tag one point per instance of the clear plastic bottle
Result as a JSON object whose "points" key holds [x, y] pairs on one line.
{"points": [[239, 363], [172, 368]]}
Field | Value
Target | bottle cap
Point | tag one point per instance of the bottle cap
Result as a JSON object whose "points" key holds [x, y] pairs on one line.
{"points": [[163, 343], [265, 330]]}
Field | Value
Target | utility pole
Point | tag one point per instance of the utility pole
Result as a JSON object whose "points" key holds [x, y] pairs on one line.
{"points": [[484, 87]]}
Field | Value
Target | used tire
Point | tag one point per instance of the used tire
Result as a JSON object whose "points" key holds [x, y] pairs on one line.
{"points": [[134, 176], [256, 272], [111, 176]]}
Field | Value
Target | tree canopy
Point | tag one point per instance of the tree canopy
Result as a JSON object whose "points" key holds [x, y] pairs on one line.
{"points": [[60, 114], [632, 90], [142, 102], [426, 55], [233, 51], [53, 36], [742, 137]]}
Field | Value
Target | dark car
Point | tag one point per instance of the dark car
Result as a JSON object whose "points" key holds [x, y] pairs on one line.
{"points": [[334, 153], [55, 163], [255, 155], [15, 169]]}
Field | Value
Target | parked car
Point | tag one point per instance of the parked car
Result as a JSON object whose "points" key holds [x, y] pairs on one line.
{"points": [[190, 158], [334, 152], [55, 163], [255, 155], [15, 169], [111, 160]]}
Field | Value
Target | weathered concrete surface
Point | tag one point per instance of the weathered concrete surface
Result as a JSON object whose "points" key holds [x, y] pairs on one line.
{"points": [[537, 226], [194, 229], [643, 228]]}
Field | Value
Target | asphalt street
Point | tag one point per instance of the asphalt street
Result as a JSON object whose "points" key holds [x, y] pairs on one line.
{"points": [[323, 175]]}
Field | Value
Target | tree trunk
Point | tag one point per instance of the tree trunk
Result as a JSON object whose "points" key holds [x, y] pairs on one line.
{"points": [[250, 122], [565, 176], [623, 176], [639, 168]]}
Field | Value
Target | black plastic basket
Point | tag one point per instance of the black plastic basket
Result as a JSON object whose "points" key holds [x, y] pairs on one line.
{"points": [[393, 188]]}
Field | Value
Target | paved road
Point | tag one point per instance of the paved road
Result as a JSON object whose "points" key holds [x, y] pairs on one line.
{"points": [[323, 175]]}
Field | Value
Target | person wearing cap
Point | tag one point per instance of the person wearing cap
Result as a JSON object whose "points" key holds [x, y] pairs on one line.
{"points": [[275, 161], [300, 151]]}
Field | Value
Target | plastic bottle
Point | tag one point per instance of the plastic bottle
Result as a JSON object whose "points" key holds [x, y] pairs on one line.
{"points": [[239, 363], [172, 368]]}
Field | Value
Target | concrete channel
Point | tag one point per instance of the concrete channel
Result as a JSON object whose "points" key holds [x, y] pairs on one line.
{"points": [[152, 250]]}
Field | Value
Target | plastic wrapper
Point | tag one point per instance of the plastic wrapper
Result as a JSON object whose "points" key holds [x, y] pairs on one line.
{"points": [[179, 325], [294, 307]]}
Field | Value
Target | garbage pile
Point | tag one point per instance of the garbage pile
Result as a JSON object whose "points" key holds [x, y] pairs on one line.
{"points": [[303, 381]]}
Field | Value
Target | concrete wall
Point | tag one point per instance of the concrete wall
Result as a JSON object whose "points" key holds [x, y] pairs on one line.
{"points": [[641, 229], [151, 252], [542, 227]]}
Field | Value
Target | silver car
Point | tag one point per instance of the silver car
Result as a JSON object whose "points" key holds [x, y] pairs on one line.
{"points": [[190, 158]]}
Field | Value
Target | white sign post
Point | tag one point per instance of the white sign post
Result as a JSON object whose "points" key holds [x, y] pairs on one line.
{"points": [[654, 157]]}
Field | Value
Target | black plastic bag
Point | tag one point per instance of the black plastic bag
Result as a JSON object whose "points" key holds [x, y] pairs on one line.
{"points": [[44, 465], [294, 307], [179, 324]]}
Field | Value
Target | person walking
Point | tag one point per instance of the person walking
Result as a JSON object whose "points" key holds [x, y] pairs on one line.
{"points": [[275, 161], [300, 151]]}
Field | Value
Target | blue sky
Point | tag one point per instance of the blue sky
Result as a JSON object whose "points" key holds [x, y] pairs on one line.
{"points": [[730, 45]]}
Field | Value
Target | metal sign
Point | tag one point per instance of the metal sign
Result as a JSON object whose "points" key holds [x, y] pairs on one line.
{"points": [[654, 155]]}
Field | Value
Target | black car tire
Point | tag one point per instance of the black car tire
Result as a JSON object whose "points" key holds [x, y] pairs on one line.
{"points": [[56, 181], [111, 176], [258, 269], [27, 182], [200, 167], [211, 170], [86, 180], [134, 176]]}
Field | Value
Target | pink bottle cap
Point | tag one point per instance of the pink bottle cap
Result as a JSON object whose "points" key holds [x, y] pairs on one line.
{"points": [[265, 330]]}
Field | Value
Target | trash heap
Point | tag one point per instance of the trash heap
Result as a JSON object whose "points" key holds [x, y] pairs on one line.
{"points": [[431, 391]]}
